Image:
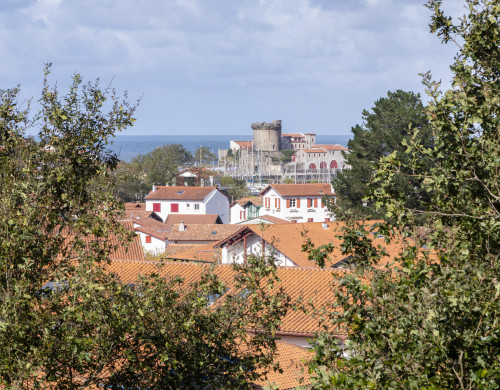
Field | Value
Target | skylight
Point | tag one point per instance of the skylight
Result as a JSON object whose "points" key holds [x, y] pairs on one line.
{"points": [[180, 192]]}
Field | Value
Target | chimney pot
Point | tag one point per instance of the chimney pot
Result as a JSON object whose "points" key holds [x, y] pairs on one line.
{"points": [[182, 227]]}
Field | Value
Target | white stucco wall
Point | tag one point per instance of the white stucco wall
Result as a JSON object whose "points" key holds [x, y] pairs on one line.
{"points": [[235, 252], [300, 214], [217, 203], [235, 213], [156, 245]]}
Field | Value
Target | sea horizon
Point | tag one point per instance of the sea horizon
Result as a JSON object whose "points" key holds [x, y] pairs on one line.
{"points": [[129, 146]]}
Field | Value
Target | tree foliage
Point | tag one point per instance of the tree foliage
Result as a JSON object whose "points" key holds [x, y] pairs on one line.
{"points": [[236, 188], [204, 156], [66, 321], [433, 320], [391, 120]]}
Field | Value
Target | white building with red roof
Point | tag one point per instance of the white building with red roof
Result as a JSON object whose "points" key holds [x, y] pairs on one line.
{"points": [[297, 202], [167, 200]]}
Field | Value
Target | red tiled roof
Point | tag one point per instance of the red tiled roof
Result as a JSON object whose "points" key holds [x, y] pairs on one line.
{"points": [[244, 144], [256, 200], [192, 219], [330, 147], [311, 189], [153, 228], [315, 150], [288, 239], [293, 363], [207, 232], [269, 218], [295, 135], [135, 206], [311, 285], [204, 252], [180, 193]]}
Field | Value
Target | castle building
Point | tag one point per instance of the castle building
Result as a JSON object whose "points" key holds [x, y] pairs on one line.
{"points": [[263, 157]]}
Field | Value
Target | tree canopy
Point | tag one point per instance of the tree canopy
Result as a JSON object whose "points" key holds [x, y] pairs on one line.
{"points": [[432, 320], [391, 120], [66, 320]]}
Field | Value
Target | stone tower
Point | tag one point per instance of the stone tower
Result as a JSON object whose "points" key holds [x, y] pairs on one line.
{"points": [[267, 136]]}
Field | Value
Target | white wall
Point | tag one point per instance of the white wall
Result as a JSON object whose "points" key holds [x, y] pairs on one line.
{"points": [[156, 245], [185, 207], [235, 213], [217, 203], [235, 252], [300, 214]]}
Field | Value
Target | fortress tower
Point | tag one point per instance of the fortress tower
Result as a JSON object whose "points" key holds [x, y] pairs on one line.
{"points": [[267, 136]]}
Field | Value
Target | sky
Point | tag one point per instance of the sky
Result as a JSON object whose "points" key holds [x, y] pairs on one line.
{"points": [[216, 66]]}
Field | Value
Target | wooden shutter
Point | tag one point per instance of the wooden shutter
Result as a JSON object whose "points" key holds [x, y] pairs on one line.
{"points": [[157, 207], [298, 203], [315, 202], [148, 239], [288, 203], [174, 207]]}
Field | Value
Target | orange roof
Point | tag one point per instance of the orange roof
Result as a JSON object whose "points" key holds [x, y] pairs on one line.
{"points": [[312, 285], [295, 135], [195, 219], [256, 200], [269, 218], [293, 361], [245, 144], [330, 147], [316, 150], [206, 232], [180, 193], [203, 252], [289, 238], [153, 228], [135, 206], [311, 189]]}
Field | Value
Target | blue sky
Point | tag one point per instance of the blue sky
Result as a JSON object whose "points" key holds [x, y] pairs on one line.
{"points": [[216, 66]]}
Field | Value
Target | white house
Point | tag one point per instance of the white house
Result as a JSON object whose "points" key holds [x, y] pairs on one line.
{"points": [[297, 202], [245, 208], [166, 200]]}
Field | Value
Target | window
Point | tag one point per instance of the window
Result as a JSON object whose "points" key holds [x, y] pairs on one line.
{"points": [[277, 203], [292, 202], [188, 205], [309, 219], [309, 202], [174, 207], [148, 240], [157, 207], [242, 215], [196, 206], [267, 202], [327, 220]]}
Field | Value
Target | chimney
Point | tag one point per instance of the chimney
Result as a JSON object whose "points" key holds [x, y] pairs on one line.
{"points": [[182, 227], [154, 188], [325, 225]]}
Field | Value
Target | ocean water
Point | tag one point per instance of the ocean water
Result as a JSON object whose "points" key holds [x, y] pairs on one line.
{"points": [[129, 146]]}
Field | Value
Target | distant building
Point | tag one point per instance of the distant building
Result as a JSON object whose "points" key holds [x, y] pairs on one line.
{"points": [[262, 156], [166, 200], [245, 208], [297, 202]]}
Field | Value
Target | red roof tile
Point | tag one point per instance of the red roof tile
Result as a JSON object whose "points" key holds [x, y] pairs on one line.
{"points": [[180, 193], [193, 219], [310, 189]]}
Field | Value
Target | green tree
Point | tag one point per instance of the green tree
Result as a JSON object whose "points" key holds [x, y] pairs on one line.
{"points": [[66, 321], [236, 188], [433, 320], [204, 156], [391, 120]]}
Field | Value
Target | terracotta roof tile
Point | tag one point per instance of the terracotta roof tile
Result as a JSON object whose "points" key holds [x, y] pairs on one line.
{"points": [[204, 252], [193, 219], [295, 135], [256, 200], [330, 147], [288, 239], [135, 206], [312, 285], [153, 228], [311, 189], [180, 193], [293, 361], [206, 232], [269, 218]]}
